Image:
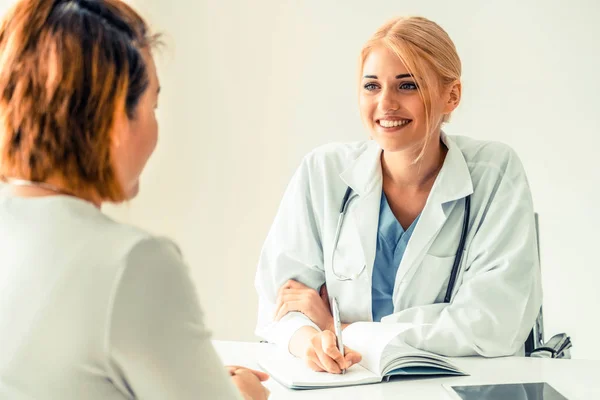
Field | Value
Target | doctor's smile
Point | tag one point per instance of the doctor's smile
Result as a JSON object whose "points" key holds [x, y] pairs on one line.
{"points": [[389, 123]]}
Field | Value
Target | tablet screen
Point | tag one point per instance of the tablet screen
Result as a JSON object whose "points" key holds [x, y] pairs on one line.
{"points": [[514, 391]]}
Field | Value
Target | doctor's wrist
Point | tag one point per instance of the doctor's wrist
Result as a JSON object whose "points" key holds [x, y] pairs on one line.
{"points": [[300, 341], [328, 326]]}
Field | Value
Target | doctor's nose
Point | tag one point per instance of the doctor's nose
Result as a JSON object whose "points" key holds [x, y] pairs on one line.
{"points": [[388, 102]]}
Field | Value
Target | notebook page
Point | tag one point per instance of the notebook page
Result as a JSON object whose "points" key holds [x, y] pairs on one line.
{"points": [[399, 354], [370, 340]]}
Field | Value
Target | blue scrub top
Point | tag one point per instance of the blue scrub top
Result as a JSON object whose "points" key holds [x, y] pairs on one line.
{"points": [[391, 244]]}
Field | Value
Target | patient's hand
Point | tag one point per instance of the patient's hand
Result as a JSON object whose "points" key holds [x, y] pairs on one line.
{"points": [[232, 369], [248, 382], [294, 296]]}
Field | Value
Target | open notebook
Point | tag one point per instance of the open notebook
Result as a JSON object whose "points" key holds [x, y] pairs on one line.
{"points": [[382, 355]]}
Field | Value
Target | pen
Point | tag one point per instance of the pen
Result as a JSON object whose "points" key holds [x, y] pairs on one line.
{"points": [[335, 311]]}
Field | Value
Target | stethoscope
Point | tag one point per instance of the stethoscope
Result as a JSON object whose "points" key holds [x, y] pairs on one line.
{"points": [[457, 259]]}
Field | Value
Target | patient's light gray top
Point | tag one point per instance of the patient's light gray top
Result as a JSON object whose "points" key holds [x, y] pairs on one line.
{"points": [[94, 309]]}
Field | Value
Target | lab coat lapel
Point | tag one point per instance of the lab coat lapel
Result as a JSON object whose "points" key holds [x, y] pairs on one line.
{"points": [[453, 182], [430, 222], [364, 177], [366, 220]]}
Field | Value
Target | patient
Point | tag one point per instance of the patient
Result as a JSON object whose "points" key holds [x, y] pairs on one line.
{"points": [[90, 308]]}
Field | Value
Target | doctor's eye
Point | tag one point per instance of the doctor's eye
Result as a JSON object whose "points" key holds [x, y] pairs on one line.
{"points": [[408, 86], [371, 86]]}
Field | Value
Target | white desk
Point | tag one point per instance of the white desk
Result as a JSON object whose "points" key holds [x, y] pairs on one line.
{"points": [[575, 379]]}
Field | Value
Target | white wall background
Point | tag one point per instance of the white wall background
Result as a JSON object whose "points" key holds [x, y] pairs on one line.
{"points": [[250, 86]]}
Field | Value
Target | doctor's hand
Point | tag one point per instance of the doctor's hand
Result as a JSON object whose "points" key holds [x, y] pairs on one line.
{"points": [[319, 351], [248, 382], [294, 296]]}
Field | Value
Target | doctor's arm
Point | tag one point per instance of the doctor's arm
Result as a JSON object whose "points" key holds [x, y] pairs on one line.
{"points": [[289, 275], [494, 309], [292, 251]]}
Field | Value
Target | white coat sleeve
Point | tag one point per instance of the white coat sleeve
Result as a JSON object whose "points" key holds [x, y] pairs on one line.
{"points": [[158, 346], [494, 309], [292, 250]]}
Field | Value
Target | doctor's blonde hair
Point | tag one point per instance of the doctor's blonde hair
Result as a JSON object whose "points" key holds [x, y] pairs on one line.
{"points": [[428, 54]]}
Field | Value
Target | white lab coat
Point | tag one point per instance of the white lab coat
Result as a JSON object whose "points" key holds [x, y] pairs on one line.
{"points": [[497, 295]]}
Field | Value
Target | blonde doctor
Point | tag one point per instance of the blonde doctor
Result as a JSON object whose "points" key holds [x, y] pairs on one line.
{"points": [[382, 224]]}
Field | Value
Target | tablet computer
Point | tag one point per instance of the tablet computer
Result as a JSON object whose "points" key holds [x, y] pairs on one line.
{"points": [[513, 391]]}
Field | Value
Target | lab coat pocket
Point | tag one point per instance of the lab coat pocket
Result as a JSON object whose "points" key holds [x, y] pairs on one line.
{"points": [[432, 279]]}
